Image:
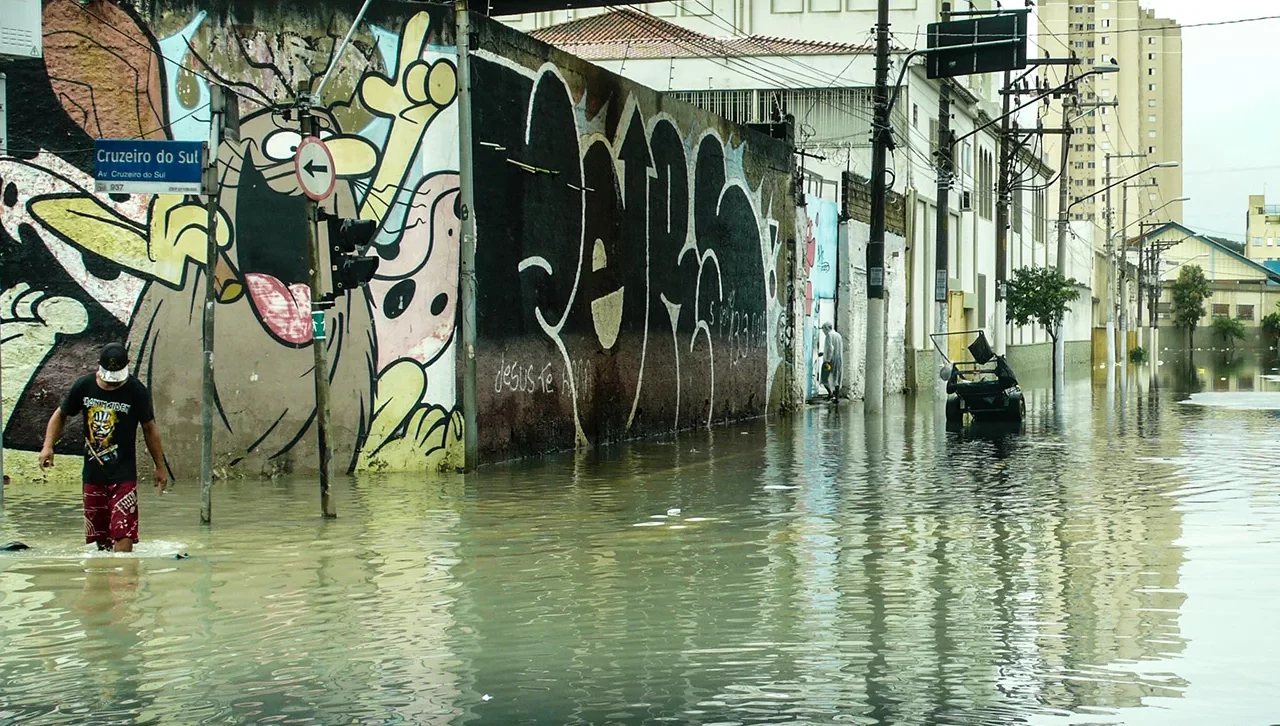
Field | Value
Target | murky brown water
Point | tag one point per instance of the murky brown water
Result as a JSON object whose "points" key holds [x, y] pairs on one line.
{"points": [[1119, 562]]}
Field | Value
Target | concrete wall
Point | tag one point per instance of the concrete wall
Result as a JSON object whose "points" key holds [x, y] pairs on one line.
{"points": [[644, 300], [82, 268], [629, 284]]}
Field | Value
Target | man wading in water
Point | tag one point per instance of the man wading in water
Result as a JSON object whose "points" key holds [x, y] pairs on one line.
{"points": [[113, 403]]}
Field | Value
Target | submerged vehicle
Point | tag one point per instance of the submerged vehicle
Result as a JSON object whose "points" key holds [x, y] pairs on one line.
{"points": [[985, 389]]}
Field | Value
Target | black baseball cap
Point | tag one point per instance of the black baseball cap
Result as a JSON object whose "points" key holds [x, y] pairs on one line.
{"points": [[114, 357]]}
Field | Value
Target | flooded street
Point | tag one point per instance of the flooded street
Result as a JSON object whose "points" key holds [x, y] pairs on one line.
{"points": [[1118, 562]]}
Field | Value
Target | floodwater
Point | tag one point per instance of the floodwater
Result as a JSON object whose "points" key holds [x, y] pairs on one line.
{"points": [[1116, 562]]}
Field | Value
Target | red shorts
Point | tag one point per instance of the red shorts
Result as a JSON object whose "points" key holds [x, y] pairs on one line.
{"points": [[110, 513]]}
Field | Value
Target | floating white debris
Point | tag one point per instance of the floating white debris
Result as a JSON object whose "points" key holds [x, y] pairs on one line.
{"points": [[486, 697], [1256, 401], [677, 526], [647, 524], [673, 512], [697, 519], [778, 486], [657, 516]]}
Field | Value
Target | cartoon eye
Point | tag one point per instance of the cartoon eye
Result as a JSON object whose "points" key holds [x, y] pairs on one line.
{"points": [[281, 145]]}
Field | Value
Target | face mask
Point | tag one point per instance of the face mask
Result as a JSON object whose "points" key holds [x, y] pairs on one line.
{"points": [[119, 376]]}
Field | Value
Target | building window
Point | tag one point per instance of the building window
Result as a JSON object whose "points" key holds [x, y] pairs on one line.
{"points": [[1015, 212], [1271, 241], [1221, 310], [1151, 103], [1244, 312], [915, 116], [1151, 40], [1151, 56], [1151, 119], [1106, 22], [1151, 87], [1257, 241], [1151, 133], [1105, 40], [1106, 129], [1151, 149], [1039, 225], [1151, 71]]}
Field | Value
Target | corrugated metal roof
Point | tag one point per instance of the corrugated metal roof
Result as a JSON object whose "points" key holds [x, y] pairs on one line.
{"points": [[629, 33]]}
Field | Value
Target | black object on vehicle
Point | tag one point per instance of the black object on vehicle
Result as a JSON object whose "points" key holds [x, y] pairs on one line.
{"points": [[978, 389]]}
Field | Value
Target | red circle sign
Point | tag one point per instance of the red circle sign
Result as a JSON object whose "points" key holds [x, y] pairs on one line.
{"points": [[313, 165]]}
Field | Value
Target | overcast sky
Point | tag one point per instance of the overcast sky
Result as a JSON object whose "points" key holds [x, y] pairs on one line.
{"points": [[1231, 109]]}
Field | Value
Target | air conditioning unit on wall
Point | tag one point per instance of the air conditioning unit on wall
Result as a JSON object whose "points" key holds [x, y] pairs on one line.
{"points": [[966, 201]]}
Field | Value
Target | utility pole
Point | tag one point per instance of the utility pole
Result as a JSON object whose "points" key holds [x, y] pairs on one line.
{"points": [[880, 136], [467, 269], [212, 187], [1122, 299], [1111, 280], [1002, 219], [942, 243], [1064, 205], [320, 357]]}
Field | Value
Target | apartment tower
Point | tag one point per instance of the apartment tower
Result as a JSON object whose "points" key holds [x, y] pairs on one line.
{"points": [[1134, 115]]}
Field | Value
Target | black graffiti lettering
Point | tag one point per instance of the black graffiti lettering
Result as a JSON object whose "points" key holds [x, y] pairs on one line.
{"points": [[657, 239]]}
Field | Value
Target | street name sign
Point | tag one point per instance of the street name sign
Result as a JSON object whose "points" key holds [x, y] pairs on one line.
{"points": [[986, 44], [140, 166], [314, 165]]}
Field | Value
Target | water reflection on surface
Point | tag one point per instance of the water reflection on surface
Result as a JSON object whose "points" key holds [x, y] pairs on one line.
{"points": [[1115, 562]]}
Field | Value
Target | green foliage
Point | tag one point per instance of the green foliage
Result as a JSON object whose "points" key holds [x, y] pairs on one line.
{"points": [[1271, 324], [1189, 292], [1228, 330], [1138, 355], [1040, 295]]}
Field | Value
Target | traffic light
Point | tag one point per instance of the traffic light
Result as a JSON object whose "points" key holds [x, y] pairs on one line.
{"points": [[348, 268]]}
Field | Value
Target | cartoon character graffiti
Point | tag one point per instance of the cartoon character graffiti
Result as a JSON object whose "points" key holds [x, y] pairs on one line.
{"points": [[138, 261]]}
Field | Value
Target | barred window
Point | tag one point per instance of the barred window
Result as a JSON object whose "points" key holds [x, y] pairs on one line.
{"points": [[1221, 310], [1244, 312]]}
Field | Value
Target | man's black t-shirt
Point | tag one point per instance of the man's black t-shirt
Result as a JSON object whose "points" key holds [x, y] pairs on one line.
{"points": [[111, 421]]}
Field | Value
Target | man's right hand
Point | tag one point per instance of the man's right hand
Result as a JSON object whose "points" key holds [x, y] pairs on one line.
{"points": [[46, 458]]}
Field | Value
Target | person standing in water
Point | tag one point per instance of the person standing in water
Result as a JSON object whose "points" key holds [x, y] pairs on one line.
{"points": [[113, 404], [833, 370]]}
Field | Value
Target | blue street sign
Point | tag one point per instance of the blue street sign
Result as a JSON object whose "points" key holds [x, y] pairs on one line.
{"points": [[137, 166]]}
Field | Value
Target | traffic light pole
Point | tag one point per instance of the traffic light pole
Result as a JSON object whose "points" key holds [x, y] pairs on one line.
{"points": [[320, 354], [467, 266]]}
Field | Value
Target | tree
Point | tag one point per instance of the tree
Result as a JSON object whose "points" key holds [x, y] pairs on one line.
{"points": [[1229, 330], [1271, 325], [1189, 292], [1040, 295]]}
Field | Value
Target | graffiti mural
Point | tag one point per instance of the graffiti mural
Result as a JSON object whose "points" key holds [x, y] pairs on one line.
{"points": [[627, 259], [820, 250], [81, 269]]}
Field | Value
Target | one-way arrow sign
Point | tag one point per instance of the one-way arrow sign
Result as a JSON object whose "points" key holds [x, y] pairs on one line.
{"points": [[311, 168], [313, 165]]}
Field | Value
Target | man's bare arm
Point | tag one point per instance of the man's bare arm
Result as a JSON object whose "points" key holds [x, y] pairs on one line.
{"points": [[52, 432], [151, 434]]}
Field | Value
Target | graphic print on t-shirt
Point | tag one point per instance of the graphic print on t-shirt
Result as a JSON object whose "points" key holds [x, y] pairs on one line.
{"points": [[100, 437]]}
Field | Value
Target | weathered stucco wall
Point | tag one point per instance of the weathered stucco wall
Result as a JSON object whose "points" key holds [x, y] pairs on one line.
{"points": [[628, 249], [628, 258]]}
